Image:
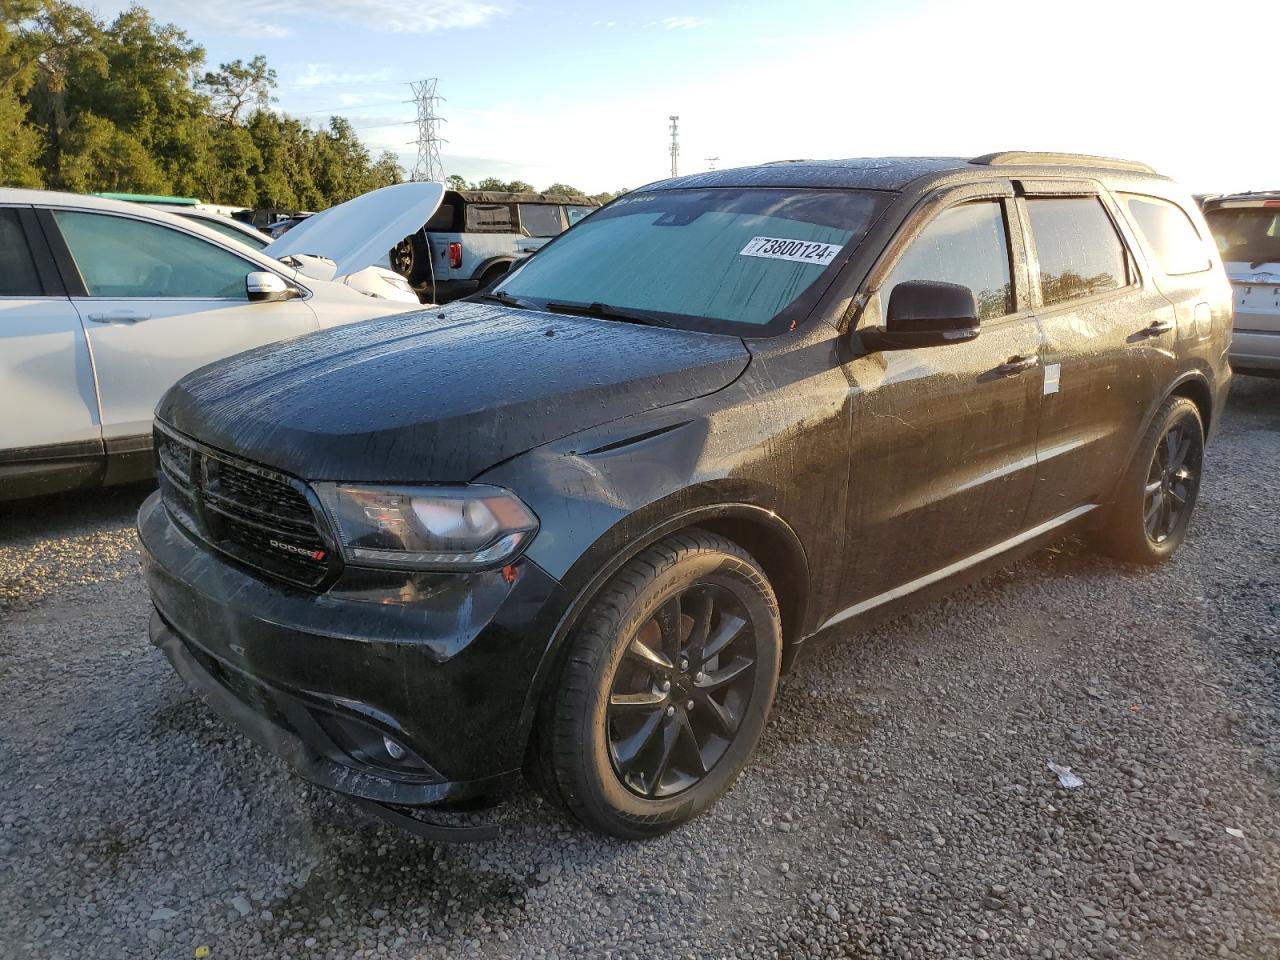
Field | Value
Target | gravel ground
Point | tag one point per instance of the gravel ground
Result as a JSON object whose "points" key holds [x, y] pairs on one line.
{"points": [[900, 804]]}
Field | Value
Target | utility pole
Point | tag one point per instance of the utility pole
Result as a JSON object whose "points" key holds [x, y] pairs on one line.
{"points": [[675, 143], [428, 166], [711, 162]]}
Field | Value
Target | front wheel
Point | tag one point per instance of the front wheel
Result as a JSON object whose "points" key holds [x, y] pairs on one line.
{"points": [[1147, 520], [666, 689]]}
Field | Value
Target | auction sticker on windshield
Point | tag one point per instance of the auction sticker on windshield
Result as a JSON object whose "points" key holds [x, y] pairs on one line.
{"points": [[801, 251]]}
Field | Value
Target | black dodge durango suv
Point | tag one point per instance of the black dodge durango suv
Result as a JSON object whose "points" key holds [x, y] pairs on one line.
{"points": [[576, 526]]}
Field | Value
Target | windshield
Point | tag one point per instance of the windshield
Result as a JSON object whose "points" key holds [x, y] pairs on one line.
{"points": [[724, 260], [1247, 234]]}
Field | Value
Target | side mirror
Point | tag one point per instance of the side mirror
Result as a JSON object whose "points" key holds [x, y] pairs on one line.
{"points": [[925, 313], [264, 285]]}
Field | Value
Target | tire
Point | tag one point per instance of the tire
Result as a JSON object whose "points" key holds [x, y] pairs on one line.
{"points": [[1148, 516], [609, 722], [492, 276], [411, 258]]}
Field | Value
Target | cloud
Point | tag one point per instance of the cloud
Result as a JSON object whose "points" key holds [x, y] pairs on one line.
{"points": [[325, 75], [275, 18], [682, 23]]}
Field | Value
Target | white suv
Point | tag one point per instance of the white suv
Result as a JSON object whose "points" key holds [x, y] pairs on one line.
{"points": [[104, 304], [1246, 227]]}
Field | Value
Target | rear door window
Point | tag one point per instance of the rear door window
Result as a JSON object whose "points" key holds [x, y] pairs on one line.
{"points": [[18, 277], [1080, 252], [541, 219], [574, 213], [1168, 234], [490, 218], [968, 245]]}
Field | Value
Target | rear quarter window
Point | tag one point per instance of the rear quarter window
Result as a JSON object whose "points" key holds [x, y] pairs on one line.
{"points": [[1079, 250], [1168, 235], [18, 276], [442, 219]]}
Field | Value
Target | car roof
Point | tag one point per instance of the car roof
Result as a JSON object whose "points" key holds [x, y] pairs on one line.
{"points": [[895, 173], [144, 211], [1247, 198], [493, 196]]}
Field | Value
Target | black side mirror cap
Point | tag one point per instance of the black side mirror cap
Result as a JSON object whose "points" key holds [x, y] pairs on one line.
{"points": [[925, 313]]}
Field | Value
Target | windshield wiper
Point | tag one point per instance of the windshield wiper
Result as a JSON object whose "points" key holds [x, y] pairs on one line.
{"points": [[504, 298], [606, 312]]}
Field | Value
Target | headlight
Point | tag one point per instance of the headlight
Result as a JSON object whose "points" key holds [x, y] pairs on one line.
{"points": [[428, 528]]}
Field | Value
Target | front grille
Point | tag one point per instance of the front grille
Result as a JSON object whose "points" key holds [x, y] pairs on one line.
{"points": [[250, 513]]}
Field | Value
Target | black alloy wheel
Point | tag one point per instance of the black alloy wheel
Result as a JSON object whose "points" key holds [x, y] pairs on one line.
{"points": [[1172, 481], [1147, 517], [665, 690], [680, 691]]}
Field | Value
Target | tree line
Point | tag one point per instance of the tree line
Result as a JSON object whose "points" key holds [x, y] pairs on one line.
{"points": [[88, 105], [496, 185]]}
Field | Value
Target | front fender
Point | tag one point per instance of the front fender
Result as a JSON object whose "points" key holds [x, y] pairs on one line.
{"points": [[600, 508]]}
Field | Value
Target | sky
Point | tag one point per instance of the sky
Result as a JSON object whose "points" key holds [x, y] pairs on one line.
{"points": [[580, 93]]}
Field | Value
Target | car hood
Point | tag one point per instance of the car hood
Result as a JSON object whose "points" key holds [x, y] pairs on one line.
{"points": [[358, 233], [440, 395]]}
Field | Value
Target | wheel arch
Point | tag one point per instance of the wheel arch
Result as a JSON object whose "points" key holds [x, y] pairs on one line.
{"points": [[1194, 386], [762, 533], [502, 260], [1196, 389]]}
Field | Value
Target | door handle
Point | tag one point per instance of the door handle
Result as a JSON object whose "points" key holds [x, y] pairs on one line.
{"points": [[1155, 328], [121, 316], [1017, 364]]}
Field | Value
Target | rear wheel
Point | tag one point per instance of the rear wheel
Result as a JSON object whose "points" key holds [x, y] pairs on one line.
{"points": [[1148, 518], [411, 258], [490, 277], [666, 690]]}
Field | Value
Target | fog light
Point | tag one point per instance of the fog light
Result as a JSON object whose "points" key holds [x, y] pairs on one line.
{"points": [[394, 750]]}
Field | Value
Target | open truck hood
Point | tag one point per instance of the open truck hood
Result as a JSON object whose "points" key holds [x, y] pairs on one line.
{"points": [[360, 232]]}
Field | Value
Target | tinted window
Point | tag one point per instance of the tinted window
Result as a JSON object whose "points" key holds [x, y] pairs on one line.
{"points": [[1246, 234], [1168, 233], [966, 245], [121, 257], [18, 277], [540, 219], [576, 213], [700, 258], [489, 218], [227, 229], [442, 219], [1080, 252]]}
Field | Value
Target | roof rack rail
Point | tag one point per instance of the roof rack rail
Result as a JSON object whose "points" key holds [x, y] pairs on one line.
{"points": [[1008, 157]]}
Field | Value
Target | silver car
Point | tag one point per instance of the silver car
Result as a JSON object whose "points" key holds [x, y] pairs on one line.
{"points": [[1246, 227], [104, 304]]}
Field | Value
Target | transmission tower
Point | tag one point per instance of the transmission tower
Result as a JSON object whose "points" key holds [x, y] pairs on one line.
{"points": [[428, 166], [675, 143], [711, 162]]}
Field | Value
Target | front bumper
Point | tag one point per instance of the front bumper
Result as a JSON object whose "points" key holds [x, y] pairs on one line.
{"points": [[320, 679]]}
